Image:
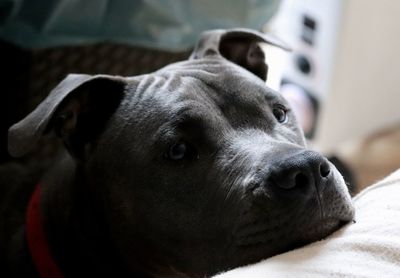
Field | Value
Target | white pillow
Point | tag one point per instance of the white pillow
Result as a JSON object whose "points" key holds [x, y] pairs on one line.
{"points": [[368, 248]]}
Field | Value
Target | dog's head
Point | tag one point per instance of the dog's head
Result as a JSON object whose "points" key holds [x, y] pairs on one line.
{"points": [[202, 166]]}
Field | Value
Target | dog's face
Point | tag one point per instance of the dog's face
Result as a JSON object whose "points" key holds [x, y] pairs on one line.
{"points": [[202, 167]]}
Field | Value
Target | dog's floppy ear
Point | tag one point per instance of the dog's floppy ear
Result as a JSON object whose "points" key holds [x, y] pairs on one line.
{"points": [[239, 46], [76, 109]]}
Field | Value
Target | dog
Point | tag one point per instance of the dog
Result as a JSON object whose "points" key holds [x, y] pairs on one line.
{"points": [[189, 171]]}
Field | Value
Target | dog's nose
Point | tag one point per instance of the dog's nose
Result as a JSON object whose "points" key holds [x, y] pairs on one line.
{"points": [[302, 170]]}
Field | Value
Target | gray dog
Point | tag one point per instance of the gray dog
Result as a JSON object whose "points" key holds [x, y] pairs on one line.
{"points": [[188, 171]]}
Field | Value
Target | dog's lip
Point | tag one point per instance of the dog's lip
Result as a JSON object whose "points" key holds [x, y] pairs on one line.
{"points": [[329, 228], [256, 224], [254, 247], [317, 230]]}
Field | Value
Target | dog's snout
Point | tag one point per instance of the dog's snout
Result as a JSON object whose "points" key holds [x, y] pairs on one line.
{"points": [[302, 170]]}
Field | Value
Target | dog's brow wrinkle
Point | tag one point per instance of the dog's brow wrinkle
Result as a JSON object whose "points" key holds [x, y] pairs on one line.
{"points": [[144, 85], [272, 96]]}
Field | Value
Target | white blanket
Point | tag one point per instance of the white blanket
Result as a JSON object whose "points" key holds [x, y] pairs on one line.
{"points": [[368, 248]]}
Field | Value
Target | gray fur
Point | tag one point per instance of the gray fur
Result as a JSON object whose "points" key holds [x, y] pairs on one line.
{"points": [[117, 204]]}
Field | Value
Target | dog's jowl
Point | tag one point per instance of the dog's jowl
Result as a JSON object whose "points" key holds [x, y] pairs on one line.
{"points": [[191, 170]]}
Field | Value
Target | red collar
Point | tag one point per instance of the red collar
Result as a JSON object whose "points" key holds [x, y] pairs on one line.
{"points": [[37, 242]]}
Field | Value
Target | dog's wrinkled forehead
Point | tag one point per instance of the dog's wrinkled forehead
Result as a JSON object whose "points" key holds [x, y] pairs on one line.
{"points": [[227, 63], [209, 82], [213, 91], [224, 64], [218, 74]]}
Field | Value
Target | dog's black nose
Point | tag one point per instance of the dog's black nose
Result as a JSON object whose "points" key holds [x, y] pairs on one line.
{"points": [[302, 170]]}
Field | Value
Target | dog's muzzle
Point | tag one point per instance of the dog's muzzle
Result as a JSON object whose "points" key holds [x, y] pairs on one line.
{"points": [[298, 199], [303, 171]]}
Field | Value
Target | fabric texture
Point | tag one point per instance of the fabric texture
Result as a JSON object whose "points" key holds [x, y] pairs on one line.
{"points": [[162, 24], [370, 247]]}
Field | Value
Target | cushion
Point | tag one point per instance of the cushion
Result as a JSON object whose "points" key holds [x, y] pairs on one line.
{"points": [[370, 247]]}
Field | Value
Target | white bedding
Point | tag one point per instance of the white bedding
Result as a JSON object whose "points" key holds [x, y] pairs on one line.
{"points": [[368, 248]]}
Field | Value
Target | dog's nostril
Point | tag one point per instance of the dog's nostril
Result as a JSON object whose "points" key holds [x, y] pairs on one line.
{"points": [[301, 180], [324, 169], [302, 171]]}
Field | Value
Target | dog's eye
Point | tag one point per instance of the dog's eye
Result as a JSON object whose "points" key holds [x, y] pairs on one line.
{"points": [[177, 151], [181, 151], [280, 114]]}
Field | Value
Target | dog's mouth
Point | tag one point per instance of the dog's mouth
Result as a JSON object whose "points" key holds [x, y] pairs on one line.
{"points": [[284, 238], [263, 234], [329, 227], [260, 242]]}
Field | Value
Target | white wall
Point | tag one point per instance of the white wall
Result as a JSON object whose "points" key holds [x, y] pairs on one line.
{"points": [[364, 94]]}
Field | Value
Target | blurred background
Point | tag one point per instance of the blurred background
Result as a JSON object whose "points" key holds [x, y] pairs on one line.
{"points": [[342, 77]]}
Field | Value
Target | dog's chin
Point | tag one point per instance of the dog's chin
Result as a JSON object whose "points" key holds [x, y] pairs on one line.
{"points": [[260, 246], [319, 231], [267, 235]]}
